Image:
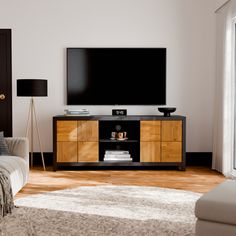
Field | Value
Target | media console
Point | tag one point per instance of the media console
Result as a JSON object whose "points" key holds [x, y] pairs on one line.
{"points": [[151, 141]]}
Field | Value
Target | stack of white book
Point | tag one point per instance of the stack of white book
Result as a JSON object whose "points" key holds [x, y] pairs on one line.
{"points": [[117, 155], [78, 112]]}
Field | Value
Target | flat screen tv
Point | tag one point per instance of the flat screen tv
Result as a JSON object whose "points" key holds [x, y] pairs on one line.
{"points": [[116, 76]]}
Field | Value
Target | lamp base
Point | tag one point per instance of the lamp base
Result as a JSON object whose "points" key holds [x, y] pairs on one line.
{"points": [[30, 125]]}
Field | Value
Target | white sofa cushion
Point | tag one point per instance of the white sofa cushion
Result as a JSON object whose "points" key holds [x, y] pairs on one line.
{"points": [[18, 169], [218, 205], [209, 228], [18, 147]]}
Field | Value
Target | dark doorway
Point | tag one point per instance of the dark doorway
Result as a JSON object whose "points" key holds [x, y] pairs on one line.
{"points": [[5, 82]]}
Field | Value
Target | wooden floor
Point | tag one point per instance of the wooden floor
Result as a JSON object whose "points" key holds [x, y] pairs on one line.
{"points": [[197, 179]]}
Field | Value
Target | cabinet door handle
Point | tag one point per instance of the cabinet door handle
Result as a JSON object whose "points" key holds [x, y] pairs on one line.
{"points": [[2, 96]]}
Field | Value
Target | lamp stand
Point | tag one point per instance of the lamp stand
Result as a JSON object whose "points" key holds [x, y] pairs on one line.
{"points": [[30, 125]]}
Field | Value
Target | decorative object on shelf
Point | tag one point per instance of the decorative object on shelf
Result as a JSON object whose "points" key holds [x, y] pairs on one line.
{"points": [[117, 155], [119, 112], [118, 127], [113, 135], [118, 136], [79, 112], [32, 88], [166, 110]]}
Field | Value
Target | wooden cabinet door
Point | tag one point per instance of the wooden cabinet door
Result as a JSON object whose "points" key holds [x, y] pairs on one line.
{"points": [[87, 130], [150, 131], [171, 131], [66, 131], [87, 151], [171, 151], [150, 152], [66, 151]]}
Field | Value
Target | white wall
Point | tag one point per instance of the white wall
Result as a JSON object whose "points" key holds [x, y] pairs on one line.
{"points": [[43, 29]]}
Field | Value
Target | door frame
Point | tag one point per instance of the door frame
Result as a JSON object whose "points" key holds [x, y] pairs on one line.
{"points": [[233, 160], [8, 33]]}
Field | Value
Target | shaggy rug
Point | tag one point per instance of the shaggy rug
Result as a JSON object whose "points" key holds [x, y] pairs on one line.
{"points": [[104, 210]]}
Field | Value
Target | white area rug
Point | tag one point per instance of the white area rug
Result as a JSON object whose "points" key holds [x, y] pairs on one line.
{"points": [[104, 210]]}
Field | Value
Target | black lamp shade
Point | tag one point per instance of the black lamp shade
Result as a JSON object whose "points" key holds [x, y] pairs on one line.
{"points": [[32, 88]]}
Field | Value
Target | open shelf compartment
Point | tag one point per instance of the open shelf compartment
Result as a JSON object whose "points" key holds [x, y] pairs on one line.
{"points": [[131, 144]]}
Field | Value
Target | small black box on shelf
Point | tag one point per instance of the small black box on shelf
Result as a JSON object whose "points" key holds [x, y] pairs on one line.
{"points": [[119, 112]]}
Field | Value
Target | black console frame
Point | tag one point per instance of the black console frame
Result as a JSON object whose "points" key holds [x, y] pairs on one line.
{"points": [[104, 141]]}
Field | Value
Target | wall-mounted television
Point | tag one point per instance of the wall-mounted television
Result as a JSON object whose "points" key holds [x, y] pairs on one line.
{"points": [[116, 76]]}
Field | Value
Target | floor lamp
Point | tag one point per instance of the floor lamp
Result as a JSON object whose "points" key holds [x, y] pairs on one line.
{"points": [[32, 88]]}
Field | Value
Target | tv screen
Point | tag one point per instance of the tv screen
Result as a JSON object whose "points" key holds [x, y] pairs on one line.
{"points": [[116, 76]]}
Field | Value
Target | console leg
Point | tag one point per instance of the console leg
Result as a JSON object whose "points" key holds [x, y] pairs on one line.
{"points": [[54, 167], [181, 168]]}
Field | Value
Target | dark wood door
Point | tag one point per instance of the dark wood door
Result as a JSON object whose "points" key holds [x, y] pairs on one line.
{"points": [[5, 82]]}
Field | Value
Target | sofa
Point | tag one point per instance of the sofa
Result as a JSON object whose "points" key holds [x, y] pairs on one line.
{"points": [[17, 163], [216, 211]]}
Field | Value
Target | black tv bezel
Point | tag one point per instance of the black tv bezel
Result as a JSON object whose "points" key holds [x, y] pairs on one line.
{"points": [[69, 48]]}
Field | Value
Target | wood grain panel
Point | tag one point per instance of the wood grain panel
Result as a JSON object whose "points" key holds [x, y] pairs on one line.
{"points": [[87, 151], [87, 130], [171, 131], [66, 151], [150, 130], [150, 152], [66, 131], [171, 151]]}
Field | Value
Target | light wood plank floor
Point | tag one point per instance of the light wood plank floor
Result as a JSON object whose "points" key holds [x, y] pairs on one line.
{"points": [[197, 179]]}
